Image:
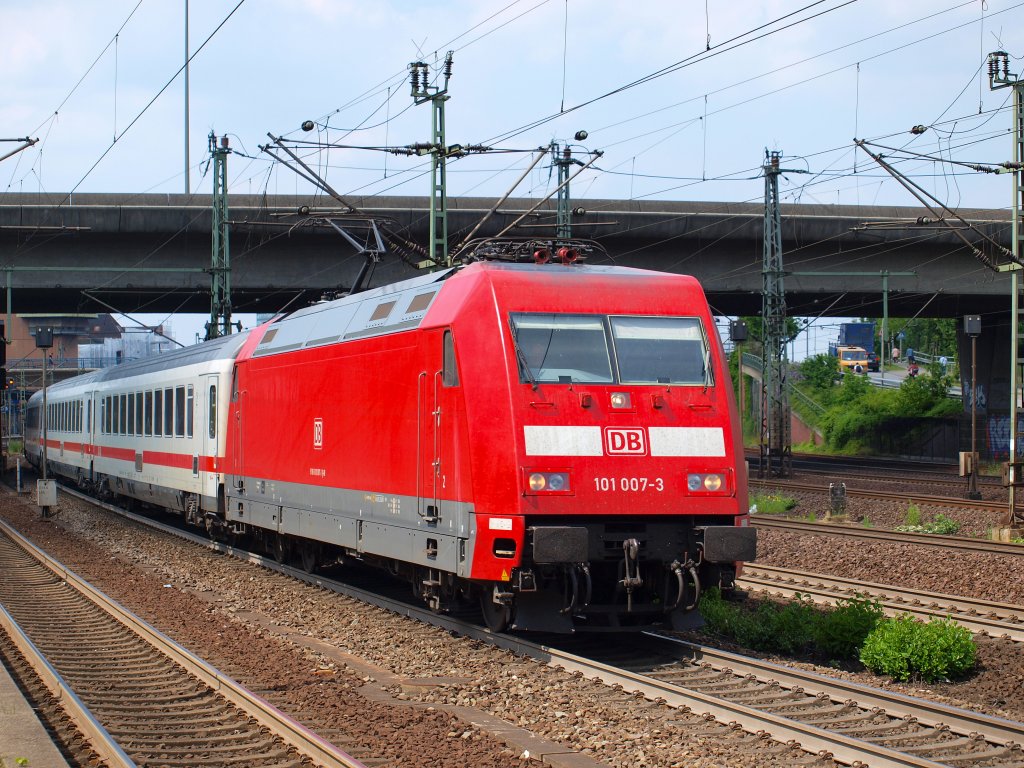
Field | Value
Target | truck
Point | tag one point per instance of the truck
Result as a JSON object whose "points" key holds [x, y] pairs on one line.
{"points": [[854, 335], [857, 335], [860, 335]]}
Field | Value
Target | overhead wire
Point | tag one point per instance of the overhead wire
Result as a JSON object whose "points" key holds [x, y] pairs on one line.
{"points": [[151, 101]]}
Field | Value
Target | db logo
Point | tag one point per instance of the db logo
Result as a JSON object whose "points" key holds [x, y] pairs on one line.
{"points": [[631, 442], [318, 434]]}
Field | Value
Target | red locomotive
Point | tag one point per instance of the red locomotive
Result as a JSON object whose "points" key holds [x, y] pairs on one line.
{"points": [[557, 442]]}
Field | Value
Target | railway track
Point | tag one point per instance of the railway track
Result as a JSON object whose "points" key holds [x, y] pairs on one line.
{"points": [[854, 724], [139, 698], [857, 725], [961, 543], [908, 496], [979, 616]]}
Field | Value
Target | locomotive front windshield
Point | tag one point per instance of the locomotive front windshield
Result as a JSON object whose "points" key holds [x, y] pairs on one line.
{"points": [[599, 349]]}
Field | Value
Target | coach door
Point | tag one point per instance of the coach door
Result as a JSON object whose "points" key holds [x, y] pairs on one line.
{"points": [[209, 427]]}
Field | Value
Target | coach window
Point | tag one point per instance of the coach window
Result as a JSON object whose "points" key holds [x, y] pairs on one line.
{"points": [[190, 402], [169, 412], [450, 377], [147, 425], [103, 415], [123, 409], [179, 412], [158, 412], [130, 424], [213, 411], [138, 413]]}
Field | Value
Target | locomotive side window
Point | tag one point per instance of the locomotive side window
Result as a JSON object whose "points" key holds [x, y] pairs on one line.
{"points": [[450, 376], [561, 348], [661, 350]]}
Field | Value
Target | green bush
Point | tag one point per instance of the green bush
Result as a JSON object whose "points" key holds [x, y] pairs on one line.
{"points": [[772, 629], [840, 633], [719, 616], [913, 516], [904, 647]]}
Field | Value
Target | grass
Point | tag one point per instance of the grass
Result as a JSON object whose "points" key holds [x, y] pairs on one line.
{"points": [[772, 502]]}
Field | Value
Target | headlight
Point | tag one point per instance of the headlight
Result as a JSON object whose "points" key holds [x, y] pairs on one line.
{"points": [[711, 482], [548, 482]]}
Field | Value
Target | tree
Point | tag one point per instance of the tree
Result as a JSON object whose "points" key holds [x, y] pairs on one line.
{"points": [[935, 336], [755, 326], [820, 371]]}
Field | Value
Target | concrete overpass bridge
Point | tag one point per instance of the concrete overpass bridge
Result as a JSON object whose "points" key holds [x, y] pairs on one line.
{"points": [[151, 253]]}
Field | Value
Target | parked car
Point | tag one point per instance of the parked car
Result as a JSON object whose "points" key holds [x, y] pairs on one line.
{"points": [[872, 362]]}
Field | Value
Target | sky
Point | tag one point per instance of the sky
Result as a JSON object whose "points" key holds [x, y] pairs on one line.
{"points": [[682, 98]]}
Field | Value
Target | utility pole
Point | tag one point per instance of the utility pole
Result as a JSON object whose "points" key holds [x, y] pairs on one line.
{"points": [[220, 266], [188, 179], [422, 91], [999, 76], [563, 213], [776, 459]]}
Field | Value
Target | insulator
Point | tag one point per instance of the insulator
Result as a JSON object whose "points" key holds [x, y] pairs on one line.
{"points": [[448, 66], [917, 130]]}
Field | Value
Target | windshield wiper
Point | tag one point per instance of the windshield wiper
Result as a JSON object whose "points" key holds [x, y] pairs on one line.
{"points": [[522, 360]]}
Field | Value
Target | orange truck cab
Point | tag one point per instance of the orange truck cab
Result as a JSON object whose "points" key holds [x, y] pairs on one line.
{"points": [[850, 357]]}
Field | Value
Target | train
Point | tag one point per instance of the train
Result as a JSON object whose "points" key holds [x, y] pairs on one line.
{"points": [[556, 443]]}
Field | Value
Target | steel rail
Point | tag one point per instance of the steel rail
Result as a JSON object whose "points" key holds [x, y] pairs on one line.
{"points": [[289, 730], [844, 749], [894, 537], [980, 616], [897, 705], [945, 501], [101, 742]]}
